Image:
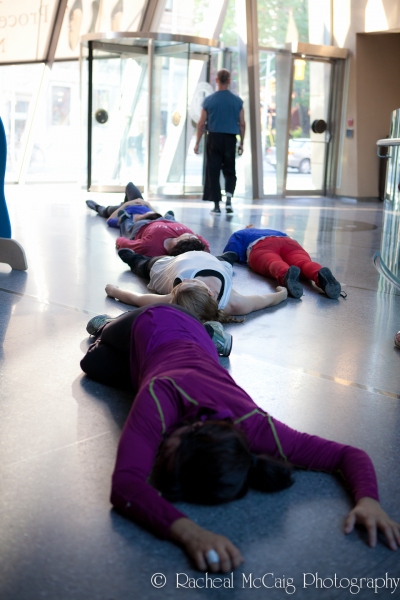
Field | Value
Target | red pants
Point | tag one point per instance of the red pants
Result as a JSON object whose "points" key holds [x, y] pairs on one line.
{"points": [[273, 256]]}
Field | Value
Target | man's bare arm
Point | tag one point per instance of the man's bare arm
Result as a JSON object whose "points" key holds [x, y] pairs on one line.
{"points": [[242, 128], [201, 127]]}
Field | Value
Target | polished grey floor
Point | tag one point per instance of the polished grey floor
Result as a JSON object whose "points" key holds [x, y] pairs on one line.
{"points": [[323, 366]]}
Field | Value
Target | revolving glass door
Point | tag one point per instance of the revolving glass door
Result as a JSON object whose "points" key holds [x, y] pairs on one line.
{"points": [[179, 86]]}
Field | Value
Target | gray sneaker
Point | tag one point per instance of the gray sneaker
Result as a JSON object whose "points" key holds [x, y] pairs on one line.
{"points": [[222, 340], [96, 322]]}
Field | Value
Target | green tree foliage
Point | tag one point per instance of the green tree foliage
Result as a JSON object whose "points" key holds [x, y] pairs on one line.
{"points": [[273, 19]]}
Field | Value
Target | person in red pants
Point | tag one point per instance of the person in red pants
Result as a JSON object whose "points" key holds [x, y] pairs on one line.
{"points": [[274, 254]]}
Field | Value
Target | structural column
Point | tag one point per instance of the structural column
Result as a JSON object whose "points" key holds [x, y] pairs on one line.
{"points": [[249, 66]]}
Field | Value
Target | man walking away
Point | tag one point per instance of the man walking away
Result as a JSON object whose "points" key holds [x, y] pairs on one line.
{"points": [[223, 118]]}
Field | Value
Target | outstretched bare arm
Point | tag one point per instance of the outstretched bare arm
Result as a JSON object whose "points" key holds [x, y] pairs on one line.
{"points": [[243, 305], [135, 298]]}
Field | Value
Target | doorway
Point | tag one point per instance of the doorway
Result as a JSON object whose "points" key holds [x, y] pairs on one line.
{"points": [[301, 96]]}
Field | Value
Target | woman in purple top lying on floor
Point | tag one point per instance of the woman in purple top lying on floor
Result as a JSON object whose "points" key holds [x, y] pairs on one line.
{"points": [[198, 437]]}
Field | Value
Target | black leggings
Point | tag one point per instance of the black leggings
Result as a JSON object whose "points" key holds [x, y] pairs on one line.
{"points": [[131, 193], [107, 359]]}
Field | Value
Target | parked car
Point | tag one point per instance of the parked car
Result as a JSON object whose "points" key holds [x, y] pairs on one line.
{"points": [[299, 155]]}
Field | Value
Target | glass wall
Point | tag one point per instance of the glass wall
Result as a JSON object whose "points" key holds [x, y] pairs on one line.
{"points": [[91, 16], [25, 28], [268, 120], [283, 21], [19, 86], [56, 135]]}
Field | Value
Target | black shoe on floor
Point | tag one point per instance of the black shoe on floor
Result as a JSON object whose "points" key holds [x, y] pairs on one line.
{"points": [[127, 256], [230, 257], [216, 211], [291, 282], [229, 210], [92, 204], [328, 283]]}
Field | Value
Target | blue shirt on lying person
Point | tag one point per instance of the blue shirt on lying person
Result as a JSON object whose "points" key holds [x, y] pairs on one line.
{"points": [[241, 240]]}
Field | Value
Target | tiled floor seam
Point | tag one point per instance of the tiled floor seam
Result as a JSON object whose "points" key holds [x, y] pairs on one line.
{"points": [[93, 437]]}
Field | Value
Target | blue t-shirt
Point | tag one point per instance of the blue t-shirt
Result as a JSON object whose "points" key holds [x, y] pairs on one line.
{"points": [[240, 240], [223, 109], [135, 209]]}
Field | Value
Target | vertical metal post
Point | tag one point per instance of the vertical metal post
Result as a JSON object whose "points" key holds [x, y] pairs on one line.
{"points": [[90, 116], [150, 67], [249, 71], [254, 116], [284, 84]]}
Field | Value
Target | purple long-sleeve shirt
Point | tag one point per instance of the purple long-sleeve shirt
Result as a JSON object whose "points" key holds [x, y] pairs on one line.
{"points": [[174, 366]]}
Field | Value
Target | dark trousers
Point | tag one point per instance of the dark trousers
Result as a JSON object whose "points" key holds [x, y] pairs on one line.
{"points": [[131, 193], [108, 358], [220, 154]]}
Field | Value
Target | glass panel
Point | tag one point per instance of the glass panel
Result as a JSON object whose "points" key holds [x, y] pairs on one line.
{"points": [[18, 92], [119, 121], [268, 119], [191, 17], [310, 101], [231, 61], [293, 20], [168, 131], [90, 16], [25, 28], [56, 153]]}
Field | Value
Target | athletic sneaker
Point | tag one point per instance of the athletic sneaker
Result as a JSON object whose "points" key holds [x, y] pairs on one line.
{"points": [[127, 256], [92, 204], [96, 322], [397, 340], [228, 207], [291, 282], [328, 283], [222, 340]]}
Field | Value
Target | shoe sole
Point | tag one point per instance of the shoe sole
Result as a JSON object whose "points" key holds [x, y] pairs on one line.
{"points": [[228, 347], [292, 284], [331, 286], [91, 329], [127, 260]]}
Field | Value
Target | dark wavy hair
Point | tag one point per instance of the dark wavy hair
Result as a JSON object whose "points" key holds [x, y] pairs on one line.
{"points": [[213, 464], [151, 216], [187, 246]]}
